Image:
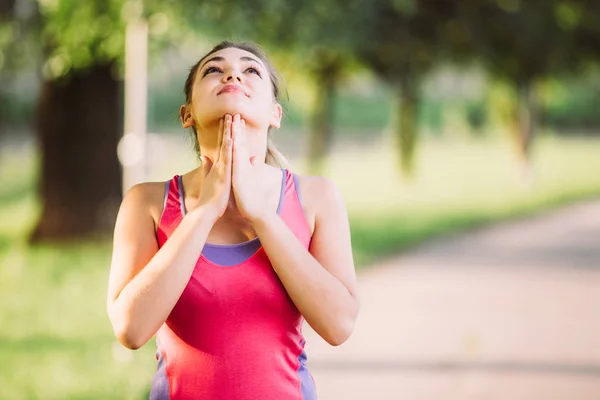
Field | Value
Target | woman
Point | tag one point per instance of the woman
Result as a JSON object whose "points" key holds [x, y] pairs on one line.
{"points": [[225, 262]]}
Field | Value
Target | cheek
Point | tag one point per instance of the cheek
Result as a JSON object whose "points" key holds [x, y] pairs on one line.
{"points": [[265, 97], [260, 87], [200, 91]]}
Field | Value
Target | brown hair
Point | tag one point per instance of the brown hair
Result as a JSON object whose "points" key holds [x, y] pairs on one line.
{"points": [[273, 157]]}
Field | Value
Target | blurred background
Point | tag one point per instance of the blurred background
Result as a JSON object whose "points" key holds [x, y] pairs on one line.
{"points": [[439, 120]]}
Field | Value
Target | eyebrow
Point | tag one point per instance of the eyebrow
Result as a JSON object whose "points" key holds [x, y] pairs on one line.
{"points": [[219, 58]]}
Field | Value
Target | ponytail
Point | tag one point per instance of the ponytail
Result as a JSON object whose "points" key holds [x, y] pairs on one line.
{"points": [[274, 157]]}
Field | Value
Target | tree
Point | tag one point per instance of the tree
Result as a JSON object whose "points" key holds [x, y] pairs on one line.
{"points": [[579, 18], [79, 113], [520, 43], [409, 38], [324, 38], [79, 119], [321, 36]]}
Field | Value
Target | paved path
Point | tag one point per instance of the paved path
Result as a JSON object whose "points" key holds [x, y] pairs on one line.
{"points": [[507, 312]]}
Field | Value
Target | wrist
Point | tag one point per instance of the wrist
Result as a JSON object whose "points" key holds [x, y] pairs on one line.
{"points": [[205, 213], [263, 220]]}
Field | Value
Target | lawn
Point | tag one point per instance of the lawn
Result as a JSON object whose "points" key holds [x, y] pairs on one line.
{"points": [[55, 338], [457, 185]]}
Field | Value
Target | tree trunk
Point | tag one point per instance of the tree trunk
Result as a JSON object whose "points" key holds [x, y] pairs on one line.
{"points": [[79, 125], [321, 133], [7, 8], [406, 128], [524, 127]]}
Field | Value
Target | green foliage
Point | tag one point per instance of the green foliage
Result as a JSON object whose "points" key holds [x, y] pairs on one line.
{"points": [[476, 115], [7, 36], [17, 29], [78, 35], [458, 185], [17, 109], [356, 112], [521, 41], [569, 15], [580, 18], [573, 104], [407, 38]]}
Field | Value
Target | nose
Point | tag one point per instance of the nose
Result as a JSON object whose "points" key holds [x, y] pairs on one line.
{"points": [[233, 75]]}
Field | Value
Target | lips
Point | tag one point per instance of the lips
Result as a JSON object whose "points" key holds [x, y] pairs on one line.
{"points": [[232, 89]]}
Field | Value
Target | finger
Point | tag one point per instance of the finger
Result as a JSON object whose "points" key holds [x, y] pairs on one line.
{"points": [[244, 134], [229, 131], [235, 133], [226, 139], [240, 143], [243, 138], [236, 127], [219, 140], [227, 157]]}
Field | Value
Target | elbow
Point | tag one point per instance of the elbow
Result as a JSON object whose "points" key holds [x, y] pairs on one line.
{"points": [[129, 341], [340, 333], [126, 334], [343, 328]]}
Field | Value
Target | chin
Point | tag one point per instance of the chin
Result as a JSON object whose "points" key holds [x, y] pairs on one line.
{"points": [[247, 113], [235, 107]]}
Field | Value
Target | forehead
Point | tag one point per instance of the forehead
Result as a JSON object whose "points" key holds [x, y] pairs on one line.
{"points": [[233, 54]]}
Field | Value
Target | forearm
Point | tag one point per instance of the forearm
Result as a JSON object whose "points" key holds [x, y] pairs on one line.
{"points": [[147, 300], [326, 304]]}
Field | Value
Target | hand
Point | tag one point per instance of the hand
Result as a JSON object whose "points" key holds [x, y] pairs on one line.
{"points": [[216, 183], [249, 189]]}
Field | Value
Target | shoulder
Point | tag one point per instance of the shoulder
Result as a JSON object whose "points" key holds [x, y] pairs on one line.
{"points": [[146, 193], [312, 185], [319, 194], [145, 198]]}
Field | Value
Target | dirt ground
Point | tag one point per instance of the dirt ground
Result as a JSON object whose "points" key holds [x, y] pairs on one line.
{"points": [[511, 311]]}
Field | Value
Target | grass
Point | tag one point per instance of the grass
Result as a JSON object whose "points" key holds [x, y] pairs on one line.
{"points": [[55, 338], [457, 185]]}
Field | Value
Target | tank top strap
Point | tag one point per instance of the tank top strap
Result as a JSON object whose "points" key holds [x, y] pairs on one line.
{"points": [[172, 210], [292, 212]]}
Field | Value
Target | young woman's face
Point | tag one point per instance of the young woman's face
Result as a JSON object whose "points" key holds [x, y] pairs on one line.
{"points": [[234, 81]]}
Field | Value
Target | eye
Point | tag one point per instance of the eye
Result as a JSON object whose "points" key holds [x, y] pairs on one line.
{"points": [[210, 70], [253, 70]]}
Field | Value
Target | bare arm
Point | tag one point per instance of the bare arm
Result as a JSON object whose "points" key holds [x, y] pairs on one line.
{"points": [[321, 282], [145, 282]]}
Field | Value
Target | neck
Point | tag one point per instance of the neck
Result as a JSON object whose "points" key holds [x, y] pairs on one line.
{"points": [[256, 142]]}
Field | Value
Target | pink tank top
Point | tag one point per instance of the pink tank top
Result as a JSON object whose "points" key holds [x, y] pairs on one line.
{"points": [[234, 332]]}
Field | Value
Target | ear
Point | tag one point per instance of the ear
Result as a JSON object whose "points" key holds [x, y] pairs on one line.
{"points": [[187, 121], [277, 115]]}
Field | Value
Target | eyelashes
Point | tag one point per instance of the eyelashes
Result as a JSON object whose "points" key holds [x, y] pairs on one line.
{"points": [[256, 71], [209, 70], [213, 69]]}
